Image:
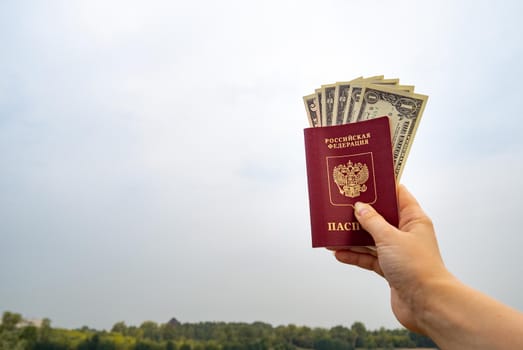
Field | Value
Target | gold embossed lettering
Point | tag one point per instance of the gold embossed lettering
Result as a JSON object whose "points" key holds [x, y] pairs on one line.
{"points": [[343, 226]]}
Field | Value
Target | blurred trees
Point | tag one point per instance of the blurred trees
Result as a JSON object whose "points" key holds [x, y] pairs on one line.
{"points": [[18, 334]]}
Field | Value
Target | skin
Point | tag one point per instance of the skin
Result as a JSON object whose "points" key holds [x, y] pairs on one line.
{"points": [[425, 297]]}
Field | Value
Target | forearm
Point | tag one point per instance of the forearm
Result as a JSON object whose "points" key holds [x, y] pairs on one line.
{"points": [[456, 316]]}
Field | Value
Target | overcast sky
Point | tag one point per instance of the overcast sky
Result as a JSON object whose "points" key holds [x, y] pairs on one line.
{"points": [[152, 161]]}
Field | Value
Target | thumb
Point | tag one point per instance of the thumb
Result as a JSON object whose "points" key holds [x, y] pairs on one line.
{"points": [[373, 222]]}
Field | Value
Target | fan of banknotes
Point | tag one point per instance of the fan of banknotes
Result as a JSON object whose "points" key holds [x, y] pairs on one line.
{"points": [[367, 98]]}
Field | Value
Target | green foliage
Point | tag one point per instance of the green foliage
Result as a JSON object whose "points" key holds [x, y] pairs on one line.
{"points": [[9, 321], [150, 330], [120, 327], [15, 334]]}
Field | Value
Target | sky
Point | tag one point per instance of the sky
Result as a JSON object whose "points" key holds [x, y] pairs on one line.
{"points": [[152, 161]]}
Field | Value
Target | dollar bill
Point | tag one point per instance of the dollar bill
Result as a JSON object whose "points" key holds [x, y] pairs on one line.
{"points": [[404, 111], [337, 103], [327, 104], [354, 97], [340, 100], [356, 92], [318, 100], [367, 98], [394, 81], [313, 110], [341, 97], [406, 88]]}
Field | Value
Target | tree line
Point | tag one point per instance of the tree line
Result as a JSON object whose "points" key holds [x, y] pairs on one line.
{"points": [[17, 334]]}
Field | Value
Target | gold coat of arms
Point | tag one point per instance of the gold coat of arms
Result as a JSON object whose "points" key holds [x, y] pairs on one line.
{"points": [[351, 178]]}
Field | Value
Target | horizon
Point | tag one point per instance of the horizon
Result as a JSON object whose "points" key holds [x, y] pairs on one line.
{"points": [[153, 158]]}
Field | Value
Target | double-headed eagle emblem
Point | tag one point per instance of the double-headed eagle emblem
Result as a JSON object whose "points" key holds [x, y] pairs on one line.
{"points": [[351, 178]]}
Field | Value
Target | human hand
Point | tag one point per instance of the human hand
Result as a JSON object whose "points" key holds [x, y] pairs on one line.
{"points": [[407, 257]]}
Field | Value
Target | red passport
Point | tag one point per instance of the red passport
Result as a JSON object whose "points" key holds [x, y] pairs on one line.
{"points": [[346, 164]]}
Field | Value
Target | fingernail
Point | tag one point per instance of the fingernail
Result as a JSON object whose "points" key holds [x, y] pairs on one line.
{"points": [[361, 208]]}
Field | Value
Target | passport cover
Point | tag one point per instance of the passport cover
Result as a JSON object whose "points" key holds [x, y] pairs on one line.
{"points": [[346, 164]]}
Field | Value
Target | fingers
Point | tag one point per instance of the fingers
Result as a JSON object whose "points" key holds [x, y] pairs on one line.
{"points": [[365, 250], [366, 261], [373, 222]]}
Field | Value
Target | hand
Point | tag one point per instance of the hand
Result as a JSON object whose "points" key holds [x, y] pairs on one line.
{"points": [[425, 297], [407, 257]]}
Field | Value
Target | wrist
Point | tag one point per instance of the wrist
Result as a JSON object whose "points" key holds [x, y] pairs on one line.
{"points": [[446, 310], [430, 298]]}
